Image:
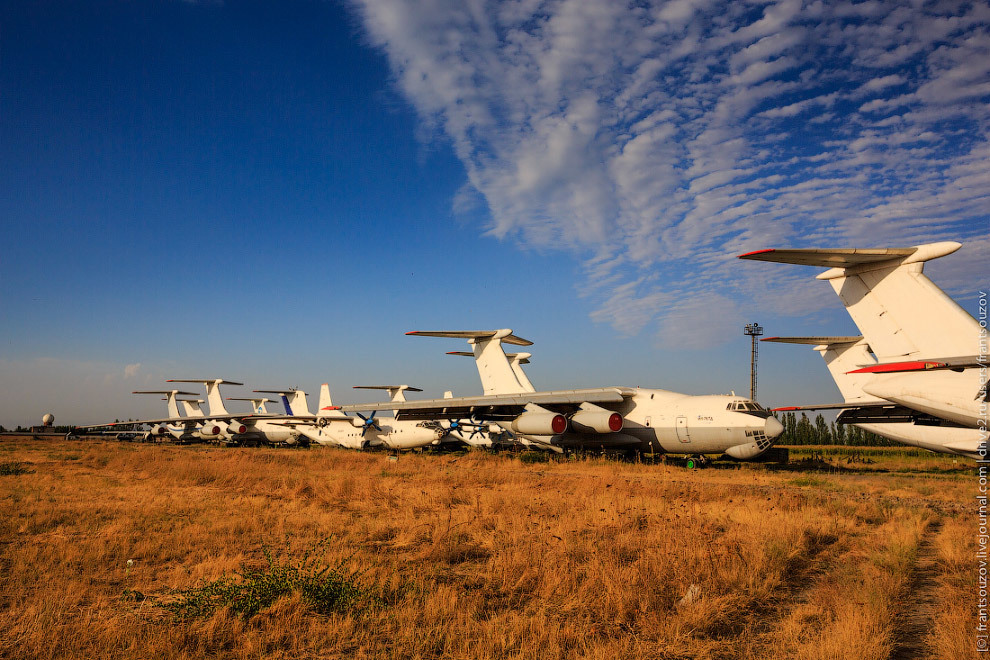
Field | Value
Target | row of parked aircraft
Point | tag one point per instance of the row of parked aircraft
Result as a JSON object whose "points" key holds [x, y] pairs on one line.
{"points": [[916, 373], [511, 410], [913, 375]]}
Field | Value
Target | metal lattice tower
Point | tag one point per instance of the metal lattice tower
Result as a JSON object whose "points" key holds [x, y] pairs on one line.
{"points": [[754, 330]]}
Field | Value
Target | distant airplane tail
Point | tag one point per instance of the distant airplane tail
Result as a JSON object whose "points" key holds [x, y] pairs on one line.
{"points": [[842, 355], [327, 409], [902, 313], [258, 406], [170, 401], [497, 372], [395, 392], [192, 407], [213, 395]]}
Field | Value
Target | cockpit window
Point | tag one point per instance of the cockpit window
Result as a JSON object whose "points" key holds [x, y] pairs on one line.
{"points": [[745, 406]]}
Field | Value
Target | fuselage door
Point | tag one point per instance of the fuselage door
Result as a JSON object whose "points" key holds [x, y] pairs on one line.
{"points": [[682, 429]]}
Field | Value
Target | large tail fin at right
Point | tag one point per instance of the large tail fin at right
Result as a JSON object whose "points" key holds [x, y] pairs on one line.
{"points": [[901, 312]]}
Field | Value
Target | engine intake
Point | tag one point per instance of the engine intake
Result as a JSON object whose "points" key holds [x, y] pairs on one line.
{"points": [[596, 421], [539, 423]]}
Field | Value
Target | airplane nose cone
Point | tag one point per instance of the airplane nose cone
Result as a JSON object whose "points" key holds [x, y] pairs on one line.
{"points": [[773, 428]]}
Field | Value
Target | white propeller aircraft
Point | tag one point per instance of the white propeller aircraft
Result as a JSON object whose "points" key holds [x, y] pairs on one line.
{"points": [[609, 417], [926, 346], [845, 358], [330, 426]]}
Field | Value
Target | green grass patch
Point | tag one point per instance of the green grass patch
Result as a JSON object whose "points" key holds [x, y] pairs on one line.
{"points": [[325, 589], [14, 467]]}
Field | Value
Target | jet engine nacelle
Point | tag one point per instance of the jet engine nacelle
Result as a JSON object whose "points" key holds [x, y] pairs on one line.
{"points": [[236, 428], [539, 423], [158, 429], [596, 421], [209, 431]]}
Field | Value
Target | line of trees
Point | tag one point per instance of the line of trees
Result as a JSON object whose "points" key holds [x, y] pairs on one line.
{"points": [[803, 431]]}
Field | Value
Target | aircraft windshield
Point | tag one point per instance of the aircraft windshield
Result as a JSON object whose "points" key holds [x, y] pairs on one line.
{"points": [[745, 406]]}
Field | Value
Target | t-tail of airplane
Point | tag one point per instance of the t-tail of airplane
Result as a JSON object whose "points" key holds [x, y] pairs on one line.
{"points": [[170, 400], [213, 396], [842, 355], [498, 374], [903, 314], [395, 392], [192, 407], [258, 406]]}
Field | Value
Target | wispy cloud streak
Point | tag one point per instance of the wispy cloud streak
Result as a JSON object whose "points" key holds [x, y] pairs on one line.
{"points": [[657, 140]]}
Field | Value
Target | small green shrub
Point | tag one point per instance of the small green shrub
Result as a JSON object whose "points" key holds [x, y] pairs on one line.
{"points": [[324, 589], [13, 467]]}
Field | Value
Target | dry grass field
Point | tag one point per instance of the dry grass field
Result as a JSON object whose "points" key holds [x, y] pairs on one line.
{"points": [[843, 556]]}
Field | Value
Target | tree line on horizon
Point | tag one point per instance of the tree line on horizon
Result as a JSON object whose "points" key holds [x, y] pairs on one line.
{"points": [[803, 431]]}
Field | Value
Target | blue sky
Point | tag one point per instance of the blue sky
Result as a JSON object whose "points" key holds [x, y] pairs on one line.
{"points": [[275, 192]]}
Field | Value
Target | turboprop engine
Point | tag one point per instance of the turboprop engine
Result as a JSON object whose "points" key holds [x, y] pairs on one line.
{"points": [[596, 421], [539, 423]]}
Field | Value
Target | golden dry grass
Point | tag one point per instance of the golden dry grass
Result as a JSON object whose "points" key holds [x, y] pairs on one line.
{"points": [[478, 556]]}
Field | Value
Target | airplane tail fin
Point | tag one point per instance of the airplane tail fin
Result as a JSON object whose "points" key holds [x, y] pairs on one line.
{"points": [[298, 403], [497, 373], [213, 396], [842, 355], [192, 407], [327, 409], [902, 313], [258, 406], [170, 401]]}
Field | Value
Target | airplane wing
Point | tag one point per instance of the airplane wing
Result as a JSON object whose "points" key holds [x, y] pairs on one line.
{"points": [[495, 405], [184, 420]]}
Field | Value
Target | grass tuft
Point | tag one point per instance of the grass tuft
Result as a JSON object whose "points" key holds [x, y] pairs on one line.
{"points": [[13, 467], [324, 589]]}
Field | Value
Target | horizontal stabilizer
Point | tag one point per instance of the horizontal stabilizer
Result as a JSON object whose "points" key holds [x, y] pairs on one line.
{"points": [[165, 392], [387, 387], [511, 356], [504, 335], [829, 257], [217, 381], [814, 341], [821, 406], [957, 363]]}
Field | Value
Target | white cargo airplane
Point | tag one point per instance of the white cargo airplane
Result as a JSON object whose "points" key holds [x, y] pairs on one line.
{"points": [[845, 358], [332, 427], [926, 346], [609, 417]]}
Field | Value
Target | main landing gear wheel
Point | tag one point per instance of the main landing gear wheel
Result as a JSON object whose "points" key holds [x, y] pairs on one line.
{"points": [[693, 462]]}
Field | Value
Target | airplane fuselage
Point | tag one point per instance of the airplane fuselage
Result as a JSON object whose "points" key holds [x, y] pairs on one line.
{"points": [[659, 421], [394, 434]]}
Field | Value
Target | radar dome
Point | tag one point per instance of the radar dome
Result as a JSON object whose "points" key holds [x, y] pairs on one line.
{"points": [[48, 419]]}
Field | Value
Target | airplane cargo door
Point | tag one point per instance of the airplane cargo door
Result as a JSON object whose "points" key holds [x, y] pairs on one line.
{"points": [[682, 429]]}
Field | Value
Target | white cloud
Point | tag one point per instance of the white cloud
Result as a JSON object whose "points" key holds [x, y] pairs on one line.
{"points": [[131, 370], [670, 136]]}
